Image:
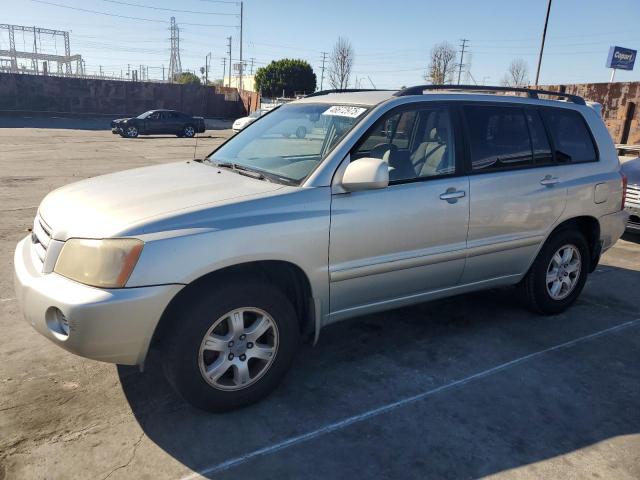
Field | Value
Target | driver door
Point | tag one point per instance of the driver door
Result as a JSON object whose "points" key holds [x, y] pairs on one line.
{"points": [[397, 245]]}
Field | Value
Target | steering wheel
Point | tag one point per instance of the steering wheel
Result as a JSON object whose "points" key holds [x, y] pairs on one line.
{"points": [[380, 149]]}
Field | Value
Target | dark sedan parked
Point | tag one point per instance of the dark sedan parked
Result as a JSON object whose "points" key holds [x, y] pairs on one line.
{"points": [[158, 122], [631, 169]]}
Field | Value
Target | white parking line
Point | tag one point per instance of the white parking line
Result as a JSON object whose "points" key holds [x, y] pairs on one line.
{"points": [[6, 299], [332, 427]]}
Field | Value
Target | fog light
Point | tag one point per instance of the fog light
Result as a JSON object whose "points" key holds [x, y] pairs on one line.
{"points": [[57, 323]]}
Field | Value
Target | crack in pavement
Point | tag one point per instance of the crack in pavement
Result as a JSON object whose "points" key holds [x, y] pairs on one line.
{"points": [[133, 455]]}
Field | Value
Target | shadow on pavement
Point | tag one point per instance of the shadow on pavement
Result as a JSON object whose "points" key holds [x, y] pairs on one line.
{"points": [[551, 405]]}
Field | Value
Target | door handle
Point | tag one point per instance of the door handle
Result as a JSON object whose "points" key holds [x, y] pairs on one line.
{"points": [[451, 195], [549, 181]]}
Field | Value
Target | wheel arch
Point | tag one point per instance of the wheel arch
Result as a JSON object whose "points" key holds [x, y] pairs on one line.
{"points": [[287, 276], [590, 227]]}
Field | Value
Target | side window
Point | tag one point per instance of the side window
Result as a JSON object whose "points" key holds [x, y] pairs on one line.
{"points": [[415, 143], [498, 138], [571, 139], [154, 116], [542, 154]]}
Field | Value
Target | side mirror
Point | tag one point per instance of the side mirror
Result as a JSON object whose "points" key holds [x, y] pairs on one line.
{"points": [[366, 174]]}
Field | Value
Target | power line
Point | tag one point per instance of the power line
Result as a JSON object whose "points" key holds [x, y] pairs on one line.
{"points": [[139, 5], [126, 16]]}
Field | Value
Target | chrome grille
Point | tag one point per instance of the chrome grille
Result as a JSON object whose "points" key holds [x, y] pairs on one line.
{"points": [[633, 196], [40, 238]]}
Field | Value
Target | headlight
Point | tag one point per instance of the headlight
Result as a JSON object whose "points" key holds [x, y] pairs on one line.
{"points": [[100, 263]]}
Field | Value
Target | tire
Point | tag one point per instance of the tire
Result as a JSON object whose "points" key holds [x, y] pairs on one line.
{"points": [[538, 294], [186, 358], [301, 132], [188, 131], [131, 131]]}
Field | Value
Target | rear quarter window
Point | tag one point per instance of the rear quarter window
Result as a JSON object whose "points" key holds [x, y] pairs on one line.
{"points": [[571, 138]]}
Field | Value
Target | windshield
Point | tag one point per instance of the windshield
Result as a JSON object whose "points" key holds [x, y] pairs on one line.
{"points": [[291, 141], [145, 114]]}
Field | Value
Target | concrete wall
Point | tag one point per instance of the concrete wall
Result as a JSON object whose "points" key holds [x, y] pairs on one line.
{"points": [[87, 96], [620, 106]]}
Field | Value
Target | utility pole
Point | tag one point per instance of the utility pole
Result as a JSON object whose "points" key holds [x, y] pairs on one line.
{"points": [[252, 61], [544, 35], [241, 64], [462, 47], [207, 61], [224, 69], [230, 64], [324, 58], [163, 72]]}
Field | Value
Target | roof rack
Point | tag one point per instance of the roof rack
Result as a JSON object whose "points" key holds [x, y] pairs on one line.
{"points": [[345, 90], [531, 93]]}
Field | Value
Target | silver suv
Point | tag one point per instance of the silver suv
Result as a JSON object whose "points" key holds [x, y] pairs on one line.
{"points": [[391, 198]]}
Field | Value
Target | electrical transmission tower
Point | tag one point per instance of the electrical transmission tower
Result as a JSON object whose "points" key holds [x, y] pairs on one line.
{"points": [[175, 66], [461, 64], [40, 60]]}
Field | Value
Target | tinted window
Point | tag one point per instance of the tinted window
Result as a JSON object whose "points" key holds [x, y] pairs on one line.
{"points": [[415, 143], [542, 154], [498, 137], [571, 139]]}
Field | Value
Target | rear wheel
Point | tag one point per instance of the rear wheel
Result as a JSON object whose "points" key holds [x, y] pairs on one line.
{"points": [[231, 347], [558, 273]]}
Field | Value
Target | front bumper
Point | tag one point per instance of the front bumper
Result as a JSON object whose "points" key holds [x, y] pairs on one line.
{"points": [[111, 325]]}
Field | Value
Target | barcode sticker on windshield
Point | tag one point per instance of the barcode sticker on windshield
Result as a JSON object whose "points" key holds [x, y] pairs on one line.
{"points": [[344, 111]]}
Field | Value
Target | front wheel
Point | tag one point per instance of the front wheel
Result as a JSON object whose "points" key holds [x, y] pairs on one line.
{"points": [[131, 131], [188, 131], [558, 273], [232, 347]]}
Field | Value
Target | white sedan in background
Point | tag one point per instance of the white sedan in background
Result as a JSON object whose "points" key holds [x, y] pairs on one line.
{"points": [[240, 123]]}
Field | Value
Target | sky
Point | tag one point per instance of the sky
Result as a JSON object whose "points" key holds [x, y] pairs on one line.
{"points": [[391, 40]]}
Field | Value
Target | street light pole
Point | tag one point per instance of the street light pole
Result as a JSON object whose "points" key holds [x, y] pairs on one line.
{"points": [[544, 35]]}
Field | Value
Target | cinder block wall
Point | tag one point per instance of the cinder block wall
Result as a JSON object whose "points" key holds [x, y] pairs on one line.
{"points": [[620, 106], [88, 96]]}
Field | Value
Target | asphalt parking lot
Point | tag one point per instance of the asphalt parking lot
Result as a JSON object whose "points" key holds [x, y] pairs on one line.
{"points": [[467, 387]]}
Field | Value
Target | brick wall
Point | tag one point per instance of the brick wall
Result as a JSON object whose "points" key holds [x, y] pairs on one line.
{"points": [[88, 96], [620, 106]]}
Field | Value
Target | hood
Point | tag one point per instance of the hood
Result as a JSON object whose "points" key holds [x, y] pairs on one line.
{"points": [[104, 206]]}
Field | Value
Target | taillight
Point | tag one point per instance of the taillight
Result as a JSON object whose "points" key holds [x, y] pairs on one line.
{"points": [[625, 180]]}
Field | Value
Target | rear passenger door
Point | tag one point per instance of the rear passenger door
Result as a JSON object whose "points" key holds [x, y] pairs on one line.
{"points": [[516, 189]]}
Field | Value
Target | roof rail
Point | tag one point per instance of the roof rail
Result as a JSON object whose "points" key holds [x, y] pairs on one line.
{"points": [[531, 93], [345, 90]]}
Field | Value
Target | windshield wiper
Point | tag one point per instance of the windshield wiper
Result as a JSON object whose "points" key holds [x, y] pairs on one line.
{"points": [[253, 172]]}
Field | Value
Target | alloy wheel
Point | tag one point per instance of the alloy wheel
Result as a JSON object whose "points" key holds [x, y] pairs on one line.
{"points": [[238, 348], [563, 272]]}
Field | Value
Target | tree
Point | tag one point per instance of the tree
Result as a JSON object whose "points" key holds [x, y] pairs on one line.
{"points": [[288, 75], [187, 78], [442, 64], [517, 74], [341, 64]]}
